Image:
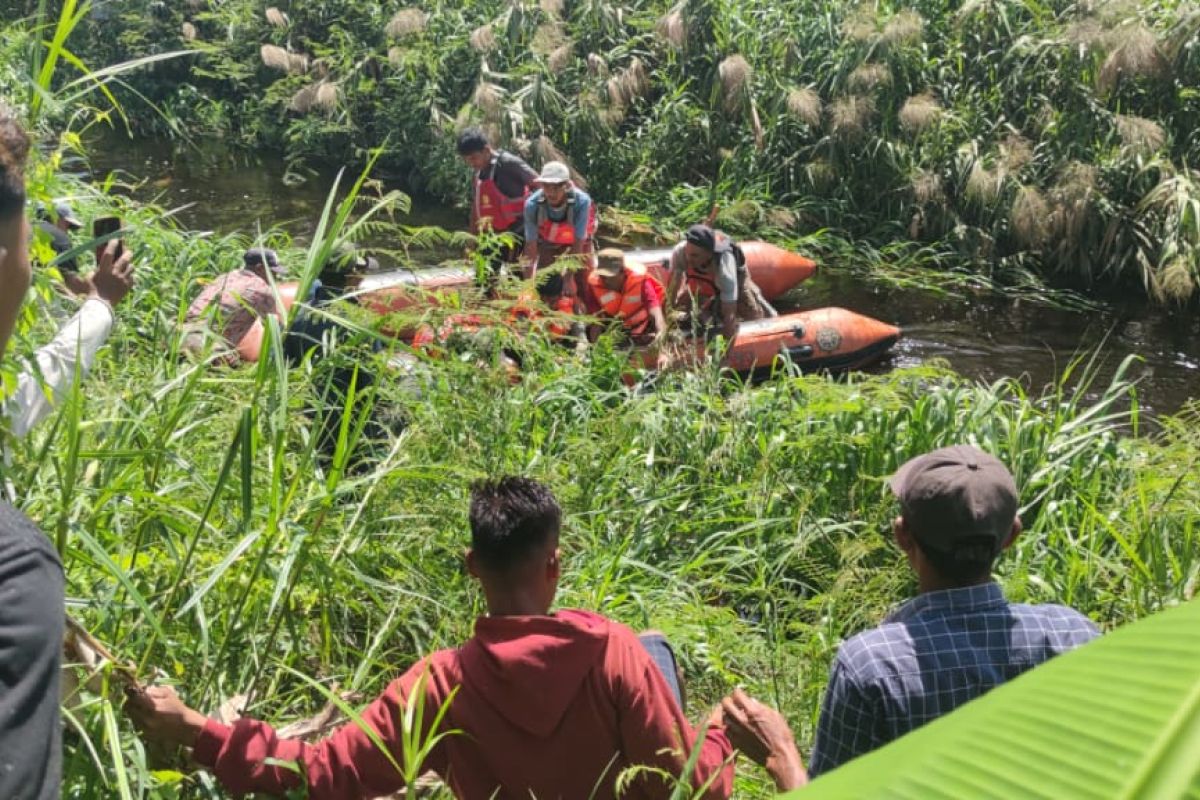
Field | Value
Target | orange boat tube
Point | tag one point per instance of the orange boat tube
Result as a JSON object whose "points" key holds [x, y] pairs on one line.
{"points": [[249, 347], [821, 339], [775, 270]]}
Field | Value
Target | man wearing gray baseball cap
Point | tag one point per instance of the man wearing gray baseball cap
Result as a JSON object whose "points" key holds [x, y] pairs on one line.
{"points": [[952, 643], [959, 637]]}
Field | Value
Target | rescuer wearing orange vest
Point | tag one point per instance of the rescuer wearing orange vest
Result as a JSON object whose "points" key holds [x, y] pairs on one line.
{"points": [[499, 190], [559, 219], [624, 290], [708, 269]]}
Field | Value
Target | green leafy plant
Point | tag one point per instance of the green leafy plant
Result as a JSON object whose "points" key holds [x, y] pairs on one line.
{"points": [[1117, 718]]}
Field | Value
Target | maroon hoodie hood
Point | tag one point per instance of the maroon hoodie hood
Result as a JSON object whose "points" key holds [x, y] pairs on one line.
{"points": [[530, 669]]}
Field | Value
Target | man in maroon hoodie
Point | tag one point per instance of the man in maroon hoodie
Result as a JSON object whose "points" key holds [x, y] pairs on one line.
{"points": [[540, 705]]}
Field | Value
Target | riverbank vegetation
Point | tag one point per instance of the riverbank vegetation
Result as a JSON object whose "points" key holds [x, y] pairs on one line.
{"points": [[209, 543], [1006, 139]]}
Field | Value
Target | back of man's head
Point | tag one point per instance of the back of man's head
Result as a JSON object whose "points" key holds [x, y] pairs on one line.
{"points": [[472, 140], [960, 505], [14, 149], [512, 519]]}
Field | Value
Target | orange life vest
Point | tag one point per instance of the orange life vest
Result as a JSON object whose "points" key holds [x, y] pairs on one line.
{"points": [[562, 233], [703, 284], [494, 208], [627, 304]]}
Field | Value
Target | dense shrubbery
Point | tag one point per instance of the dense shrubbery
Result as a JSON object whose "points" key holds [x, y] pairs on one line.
{"points": [[1016, 137]]}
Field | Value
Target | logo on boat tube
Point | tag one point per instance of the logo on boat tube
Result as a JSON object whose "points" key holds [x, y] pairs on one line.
{"points": [[829, 339]]}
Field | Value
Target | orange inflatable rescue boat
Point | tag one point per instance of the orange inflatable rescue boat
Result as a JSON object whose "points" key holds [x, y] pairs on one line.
{"points": [[775, 270], [829, 339]]}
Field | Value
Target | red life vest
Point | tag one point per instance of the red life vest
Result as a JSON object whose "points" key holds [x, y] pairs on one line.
{"points": [[494, 208], [562, 233], [627, 304]]}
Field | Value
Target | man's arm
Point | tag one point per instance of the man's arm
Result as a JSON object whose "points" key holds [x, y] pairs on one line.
{"points": [[73, 348], [346, 765], [529, 257], [653, 728], [763, 735], [729, 323], [848, 726]]}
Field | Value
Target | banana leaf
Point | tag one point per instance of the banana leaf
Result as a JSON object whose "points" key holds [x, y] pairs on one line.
{"points": [[1117, 718]]}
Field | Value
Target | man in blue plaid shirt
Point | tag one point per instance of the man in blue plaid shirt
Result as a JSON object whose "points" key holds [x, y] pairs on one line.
{"points": [[955, 641]]}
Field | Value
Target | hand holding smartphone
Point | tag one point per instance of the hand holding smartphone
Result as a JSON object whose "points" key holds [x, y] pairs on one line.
{"points": [[113, 277], [103, 226]]}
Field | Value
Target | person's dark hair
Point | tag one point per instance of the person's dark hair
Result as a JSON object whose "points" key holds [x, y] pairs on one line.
{"points": [[472, 140], [14, 149], [511, 519], [969, 563]]}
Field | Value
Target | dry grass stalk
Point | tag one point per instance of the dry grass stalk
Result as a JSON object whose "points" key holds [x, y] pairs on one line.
{"points": [[972, 8], [903, 29], [984, 185], [277, 17], [861, 24], [561, 58], [1071, 200], [1086, 35], [596, 65], [1111, 12], [849, 117], [611, 116], [919, 113], [552, 8], [1030, 218], [483, 39], [1141, 135], [821, 175], [547, 38], [302, 101], [1135, 54], [927, 187], [735, 74], [1015, 152], [275, 57], [634, 81], [672, 28], [406, 22], [1175, 282], [188, 31], [743, 212], [297, 63], [804, 104], [869, 77], [615, 88], [544, 150], [488, 98], [781, 218], [326, 96]]}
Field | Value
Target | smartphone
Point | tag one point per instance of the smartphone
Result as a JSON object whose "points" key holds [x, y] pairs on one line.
{"points": [[103, 226]]}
